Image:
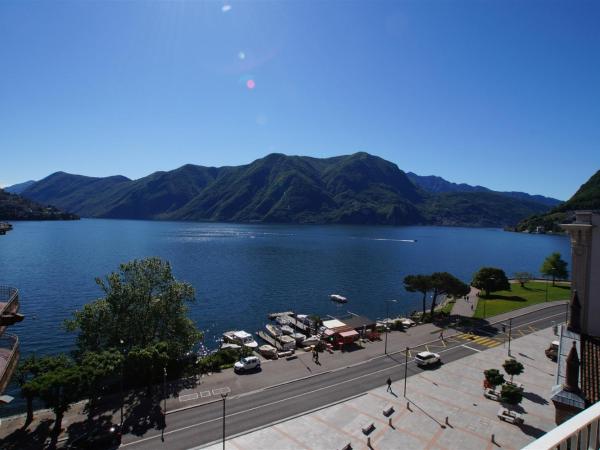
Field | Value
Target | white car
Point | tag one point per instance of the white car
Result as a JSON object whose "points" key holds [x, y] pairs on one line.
{"points": [[427, 358], [491, 394], [246, 364], [510, 416]]}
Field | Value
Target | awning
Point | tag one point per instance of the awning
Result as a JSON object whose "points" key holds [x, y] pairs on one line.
{"points": [[349, 334]]}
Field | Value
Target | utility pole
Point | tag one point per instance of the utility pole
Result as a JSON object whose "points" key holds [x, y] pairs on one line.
{"points": [[223, 396], [387, 326], [165, 391], [509, 334], [405, 369]]}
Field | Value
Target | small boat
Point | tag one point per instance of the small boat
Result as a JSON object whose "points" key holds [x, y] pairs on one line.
{"points": [[312, 340], [268, 351], [298, 336], [287, 342], [273, 330], [241, 338], [338, 298], [283, 320], [286, 329]]}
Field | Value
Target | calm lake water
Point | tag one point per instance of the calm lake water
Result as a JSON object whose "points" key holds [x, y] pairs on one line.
{"points": [[243, 272]]}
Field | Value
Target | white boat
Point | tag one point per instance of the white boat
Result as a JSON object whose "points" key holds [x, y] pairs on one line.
{"points": [[299, 337], [268, 351], [283, 320], [312, 340], [273, 330], [338, 298], [287, 342], [286, 329], [240, 337]]}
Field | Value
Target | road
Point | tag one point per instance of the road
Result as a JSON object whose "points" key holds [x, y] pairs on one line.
{"points": [[203, 424]]}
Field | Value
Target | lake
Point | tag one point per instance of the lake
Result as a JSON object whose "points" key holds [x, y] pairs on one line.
{"points": [[243, 272]]}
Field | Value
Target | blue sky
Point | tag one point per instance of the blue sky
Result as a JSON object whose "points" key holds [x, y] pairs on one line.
{"points": [[505, 94]]}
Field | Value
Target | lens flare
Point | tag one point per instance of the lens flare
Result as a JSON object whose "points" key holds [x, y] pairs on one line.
{"points": [[250, 84], [226, 8]]}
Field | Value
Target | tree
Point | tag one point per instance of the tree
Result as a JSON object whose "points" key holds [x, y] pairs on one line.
{"points": [[97, 369], [444, 283], [58, 383], [493, 377], [147, 363], [554, 266], [512, 367], [511, 394], [490, 279], [143, 305], [523, 277], [419, 283]]}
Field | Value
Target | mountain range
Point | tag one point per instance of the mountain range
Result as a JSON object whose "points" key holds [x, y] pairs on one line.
{"points": [[15, 207], [351, 189]]}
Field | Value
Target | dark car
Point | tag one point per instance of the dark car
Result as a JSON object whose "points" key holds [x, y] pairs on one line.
{"points": [[107, 436]]}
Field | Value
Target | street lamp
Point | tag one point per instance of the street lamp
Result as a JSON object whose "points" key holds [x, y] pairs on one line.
{"points": [[122, 375], [509, 334], [405, 369], [165, 391], [387, 313], [224, 396]]}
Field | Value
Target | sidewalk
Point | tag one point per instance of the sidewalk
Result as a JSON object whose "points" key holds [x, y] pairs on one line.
{"points": [[274, 372], [466, 307]]}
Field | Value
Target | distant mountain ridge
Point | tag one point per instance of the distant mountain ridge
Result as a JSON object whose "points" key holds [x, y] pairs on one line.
{"points": [[435, 184], [586, 197], [19, 187], [352, 189], [15, 207]]}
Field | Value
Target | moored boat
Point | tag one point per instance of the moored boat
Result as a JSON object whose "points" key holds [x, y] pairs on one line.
{"points": [[286, 329], [240, 337], [312, 340], [273, 330], [268, 351], [299, 337], [338, 298], [287, 342]]}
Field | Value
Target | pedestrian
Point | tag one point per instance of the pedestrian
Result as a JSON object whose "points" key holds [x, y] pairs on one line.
{"points": [[442, 335], [471, 306], [389, 384], [316, 356]]}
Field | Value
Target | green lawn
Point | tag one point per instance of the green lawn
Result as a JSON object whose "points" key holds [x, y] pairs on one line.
{"points": [[519, 297]]}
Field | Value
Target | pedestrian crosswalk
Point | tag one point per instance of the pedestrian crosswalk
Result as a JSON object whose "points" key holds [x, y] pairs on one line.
{"points": [[476, 339]]}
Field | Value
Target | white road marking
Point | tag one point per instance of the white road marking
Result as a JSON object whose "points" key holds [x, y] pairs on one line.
{"points": [[188, 397], [223, 390], [204, 394], [471, 348]]}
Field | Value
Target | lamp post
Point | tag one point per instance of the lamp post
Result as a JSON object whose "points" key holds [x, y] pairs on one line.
{"points": [[509, 334], [122, 376], [387, 327], [552, 269], [223, 396], [405, 369], [165, 391]]}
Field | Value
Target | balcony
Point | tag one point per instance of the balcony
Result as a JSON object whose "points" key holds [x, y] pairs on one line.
{"points": [[9, 356], [579, 432], [9, 307]]}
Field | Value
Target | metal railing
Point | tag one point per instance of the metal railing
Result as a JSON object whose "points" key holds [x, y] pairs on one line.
{"points": [[579, 432], [9, 356], [9, 299]]}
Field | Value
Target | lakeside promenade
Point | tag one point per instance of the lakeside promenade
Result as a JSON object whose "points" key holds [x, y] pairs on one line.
{"points": [[274, 373]]}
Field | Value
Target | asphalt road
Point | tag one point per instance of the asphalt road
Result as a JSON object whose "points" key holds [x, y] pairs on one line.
{"points": [[244, 412]]}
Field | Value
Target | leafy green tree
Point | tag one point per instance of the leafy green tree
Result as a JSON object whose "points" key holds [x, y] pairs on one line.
{"points": [[554, 266], [148, 363], [511, 395], [143, 305], [58, 383], [513, 367], [419, 283], [490, 279], [97, 368], [494, 377], [444, 283], [523, 277], [28, 368]]}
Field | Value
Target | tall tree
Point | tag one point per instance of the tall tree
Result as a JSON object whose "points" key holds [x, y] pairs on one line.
{"points": [[419, 283], [444, 283], [554, 266], [493, 377], [97, 369], [511, 394], [490, 279], [513, 367], [143, 305]]}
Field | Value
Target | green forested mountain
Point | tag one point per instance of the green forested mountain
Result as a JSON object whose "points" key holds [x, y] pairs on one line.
{"points": [[15, 207], [353, 189], [586, 197]]}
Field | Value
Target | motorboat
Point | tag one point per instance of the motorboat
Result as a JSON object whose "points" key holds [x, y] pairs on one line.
{"points": [[241, 338], [338, 298], [299, 337], [286, 329], [268, 351], [312, 340], [283, 320], [273, 330], [287, 342]]}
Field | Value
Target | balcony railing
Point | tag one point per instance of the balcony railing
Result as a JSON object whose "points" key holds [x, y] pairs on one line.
{"points": [[579, 432], [9, 306], [9, 356]]}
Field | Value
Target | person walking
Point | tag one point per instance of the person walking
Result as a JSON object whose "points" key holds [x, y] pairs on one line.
{"points": [[389, 384], [442, 335]]}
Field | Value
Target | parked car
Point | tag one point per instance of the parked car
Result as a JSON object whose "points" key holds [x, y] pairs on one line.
{"points": [[106, 436], [510, 416], [491, 394], [246, 364], [427, 358], [552, 351]]}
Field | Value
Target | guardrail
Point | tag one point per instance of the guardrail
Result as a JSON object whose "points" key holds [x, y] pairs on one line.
{"points": [[579, 432], [9, 356]]}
